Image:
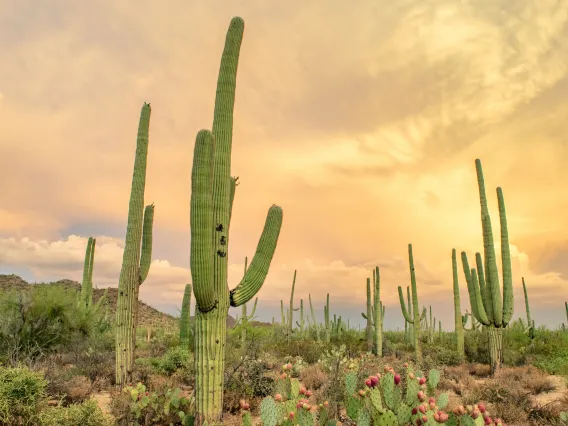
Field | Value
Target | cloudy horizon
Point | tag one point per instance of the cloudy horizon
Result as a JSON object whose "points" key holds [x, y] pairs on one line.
{"points": [[362, 123]]}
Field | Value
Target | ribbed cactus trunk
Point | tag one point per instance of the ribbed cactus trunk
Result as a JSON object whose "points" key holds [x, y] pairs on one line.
{"points": [[87, 284], [410, 336], [184, 321], [326, 323], [484, 290], [369, 317], [136, 258], [458, 319], [415, 320], [378, 315], [291, 308], [530, 322], [244, 313], [212, 193]]}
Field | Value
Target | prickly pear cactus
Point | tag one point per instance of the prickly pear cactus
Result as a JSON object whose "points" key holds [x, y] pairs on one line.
{"points": [[269, 412]]}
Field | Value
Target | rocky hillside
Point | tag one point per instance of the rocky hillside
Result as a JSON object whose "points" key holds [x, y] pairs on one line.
{"points": [[147, 315]]}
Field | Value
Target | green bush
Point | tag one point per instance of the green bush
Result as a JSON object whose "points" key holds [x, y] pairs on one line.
{"points": [[22, 394], [87, 413]]}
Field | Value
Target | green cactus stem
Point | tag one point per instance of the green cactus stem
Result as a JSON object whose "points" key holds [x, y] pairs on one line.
{"points": [[327, 326], [415, 321], [184, 323], [245, 318], [487, 305], [369, 316], [212, 191], [136, 258], [378, 315], [459, 320], [316, 325], [530, 322], [87, 284], [291, 309], [408, 327]]}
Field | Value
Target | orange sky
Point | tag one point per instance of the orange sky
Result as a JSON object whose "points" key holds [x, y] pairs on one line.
{"points": [[363, 123]]}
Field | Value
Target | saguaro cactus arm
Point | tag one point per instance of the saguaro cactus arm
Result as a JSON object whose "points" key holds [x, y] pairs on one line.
{"points": [[146, 253], [508, 298], [258, 269], [201, 221], [474, 292]]}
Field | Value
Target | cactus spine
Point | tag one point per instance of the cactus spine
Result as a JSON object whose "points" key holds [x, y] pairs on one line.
{"points": [[415, 320], [459, 320], [483, 284], [184, 323], [212, 193], [136, 258], [87, 284]]}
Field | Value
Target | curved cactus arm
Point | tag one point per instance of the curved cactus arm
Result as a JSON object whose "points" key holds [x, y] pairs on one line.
{"points": [[146, 253], [258, 269], [403, 307], [363, 315], [201, 222], [508, 299], [86, 289], [527, 306], [486, 298], [477, 309]]}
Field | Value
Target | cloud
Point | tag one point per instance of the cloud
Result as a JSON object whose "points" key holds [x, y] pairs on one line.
{"points": [[362, 123]]}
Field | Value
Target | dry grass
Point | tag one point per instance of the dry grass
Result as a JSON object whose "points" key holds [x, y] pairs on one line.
{"points": [[313, 377]]}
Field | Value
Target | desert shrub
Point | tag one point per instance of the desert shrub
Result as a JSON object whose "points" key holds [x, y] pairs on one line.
{"points": [[87, 413], [22, 394], [43, 320]]}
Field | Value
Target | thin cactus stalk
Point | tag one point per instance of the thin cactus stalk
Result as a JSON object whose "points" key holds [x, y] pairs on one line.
{"points": [[302, 317], [459, 321], [316, 325], [369, 329], [291, 309], [530, 329], [487, 305], [87, 284], [416, 317], [327, 326], [378, 315], [282, 315], [212, 194], [566, 308], [245, 318], [184, 323], [136, 258], [410, 329]]}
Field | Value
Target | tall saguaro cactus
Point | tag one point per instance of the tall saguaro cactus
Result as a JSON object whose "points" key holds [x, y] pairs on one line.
{"points": [[530, 322], [316, 325], [184, 322], [375, 314], [212, 193], [291, 309], [87, 284], [483, 286], [458, 318], [415, 320], [136, 258], [369, 317]]}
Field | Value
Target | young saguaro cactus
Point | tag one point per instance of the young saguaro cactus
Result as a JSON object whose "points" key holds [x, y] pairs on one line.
{"points": [[375, 314], [87, 284], [136, 258], [415, 321], [245, 317], [316, 325], [184, 322], [458, 318], [291, 309], [530, 322], [212, 194], [487, 305]]}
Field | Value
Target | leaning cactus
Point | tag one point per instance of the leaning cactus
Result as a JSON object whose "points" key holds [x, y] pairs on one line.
{"points": [[184, 322], [87, 284], [530, 329], [459, 320], [483, 283], [415, 321], [212, 193], [136, 258]]}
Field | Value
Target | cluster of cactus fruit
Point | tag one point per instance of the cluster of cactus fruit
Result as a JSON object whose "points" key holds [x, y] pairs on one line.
{"points": [[383, 402], [291, 405]]}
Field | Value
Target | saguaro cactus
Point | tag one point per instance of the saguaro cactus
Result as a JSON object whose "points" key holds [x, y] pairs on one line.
{"points": [[87, 284], [487, 305], [326, 322], [184, 322], [375, 314], [369, 317], [415, 321], [136, 258], [245, 317], [211, 205], [291, 309], [316, 325], [530, 322], [458, 318]]}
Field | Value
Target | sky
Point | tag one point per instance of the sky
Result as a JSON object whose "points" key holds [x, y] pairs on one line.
{"points": [[363, 123]]}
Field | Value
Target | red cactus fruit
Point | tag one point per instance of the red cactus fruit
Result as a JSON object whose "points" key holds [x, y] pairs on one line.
{"points": [[422, 380], [278, 397], [397, 379]]}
